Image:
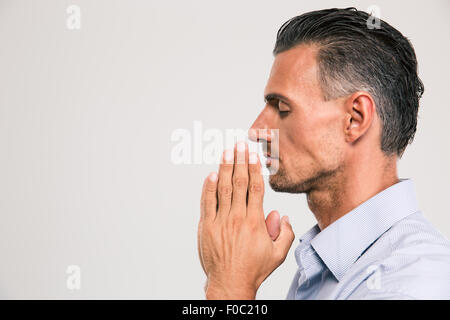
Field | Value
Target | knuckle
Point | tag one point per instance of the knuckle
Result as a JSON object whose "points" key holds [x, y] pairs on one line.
{"points": [[234, 221], [225, 191], [246, 226], [254, 222], [255, 187], [240, 182], [251, 227], [210, 188]]}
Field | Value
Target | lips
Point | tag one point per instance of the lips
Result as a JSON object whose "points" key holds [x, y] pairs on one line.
{"points": [[267, 155], [270, 161], [269, 152]]}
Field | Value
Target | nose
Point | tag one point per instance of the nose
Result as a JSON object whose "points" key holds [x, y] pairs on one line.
{"points": [[261, 128]]}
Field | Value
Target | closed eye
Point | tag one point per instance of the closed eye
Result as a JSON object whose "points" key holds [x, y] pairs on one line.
{"points": [[283, 113], [279, 105], [282, 107]]}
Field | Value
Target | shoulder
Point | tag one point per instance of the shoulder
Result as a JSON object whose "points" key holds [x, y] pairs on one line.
{"points": [[414, 240], [412, 262]]}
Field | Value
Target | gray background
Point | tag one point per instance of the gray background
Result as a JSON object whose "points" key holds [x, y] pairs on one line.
{"points": [[86, 118]]}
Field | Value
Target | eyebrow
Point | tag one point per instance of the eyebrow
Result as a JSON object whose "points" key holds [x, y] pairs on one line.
{"points": [[277, 96]]}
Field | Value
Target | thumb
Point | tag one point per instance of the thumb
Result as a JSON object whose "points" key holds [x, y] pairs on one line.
{"points": [[273, 224], [284, 240]]}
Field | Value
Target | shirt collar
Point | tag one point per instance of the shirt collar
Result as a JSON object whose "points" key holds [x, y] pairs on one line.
{"points": [[341, 243]]}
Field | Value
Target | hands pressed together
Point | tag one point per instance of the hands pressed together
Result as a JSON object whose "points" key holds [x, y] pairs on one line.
{"points": [[238, 248]]}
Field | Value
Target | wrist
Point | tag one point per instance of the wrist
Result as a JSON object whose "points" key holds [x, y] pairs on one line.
{"points": [[217, 291]]}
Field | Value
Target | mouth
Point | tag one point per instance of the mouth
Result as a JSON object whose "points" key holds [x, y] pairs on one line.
{"points": [[270, 152], [270, 161], [269, 156]]}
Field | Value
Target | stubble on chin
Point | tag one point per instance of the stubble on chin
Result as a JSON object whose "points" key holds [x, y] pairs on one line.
{"points": [[282, 182]]}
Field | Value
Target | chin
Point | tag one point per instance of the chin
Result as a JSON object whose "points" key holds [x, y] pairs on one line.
{"points": [[280, 182]]}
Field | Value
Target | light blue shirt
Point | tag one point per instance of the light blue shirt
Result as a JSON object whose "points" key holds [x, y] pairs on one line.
{"points": [[382, 249]]}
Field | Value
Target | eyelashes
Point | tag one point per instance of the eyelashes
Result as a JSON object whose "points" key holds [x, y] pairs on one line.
{"points": [[276, 104], [283, 113]]}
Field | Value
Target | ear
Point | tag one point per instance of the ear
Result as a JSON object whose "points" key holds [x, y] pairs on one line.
{"points": [[360, 110]]}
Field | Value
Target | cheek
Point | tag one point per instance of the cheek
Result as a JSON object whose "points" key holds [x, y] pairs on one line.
{"points": [[292, 141], [299, 139], [330, 146], [320, 141], [295, 151]]}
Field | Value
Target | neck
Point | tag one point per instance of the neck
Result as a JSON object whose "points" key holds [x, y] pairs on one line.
{"points": [[357, 182]]}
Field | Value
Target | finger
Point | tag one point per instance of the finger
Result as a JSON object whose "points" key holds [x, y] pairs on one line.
{"points": [[284, 240], [273, 224], [255, 187], [240, 180], [225, 186], [209, 197]]}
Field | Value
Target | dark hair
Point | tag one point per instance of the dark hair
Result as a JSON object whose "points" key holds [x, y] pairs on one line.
{"points": [[353, 57]]}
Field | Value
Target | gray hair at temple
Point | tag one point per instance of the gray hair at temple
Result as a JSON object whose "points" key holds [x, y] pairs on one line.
{"points": [[353, 57]]}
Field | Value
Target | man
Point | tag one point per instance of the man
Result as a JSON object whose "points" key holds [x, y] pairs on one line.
{"points": [[344, 99]]}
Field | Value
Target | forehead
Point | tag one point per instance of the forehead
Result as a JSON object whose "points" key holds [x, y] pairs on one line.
{"points": [[294, 71]]}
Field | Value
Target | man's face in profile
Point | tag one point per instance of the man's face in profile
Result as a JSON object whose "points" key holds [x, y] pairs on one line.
{"points": [[311, 130]]}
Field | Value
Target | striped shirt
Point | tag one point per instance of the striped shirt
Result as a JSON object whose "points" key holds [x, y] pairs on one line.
{"points": [[383, 249]]}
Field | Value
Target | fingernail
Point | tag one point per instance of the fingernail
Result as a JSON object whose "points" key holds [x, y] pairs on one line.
{"points": [[228, 156], [241, 146], [287, 219], [213, 177], [253, 158]]}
